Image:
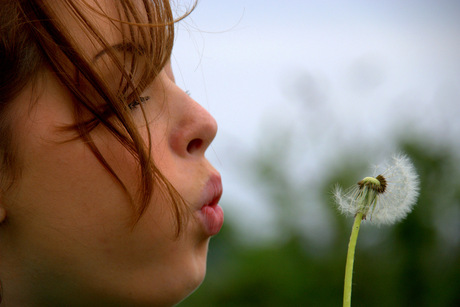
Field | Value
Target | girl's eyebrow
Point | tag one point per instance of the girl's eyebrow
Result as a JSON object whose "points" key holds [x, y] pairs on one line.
{"points": [[119, 47]]}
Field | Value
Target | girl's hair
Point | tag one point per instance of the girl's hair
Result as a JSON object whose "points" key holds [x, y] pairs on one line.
{"points": [[34, 39]]}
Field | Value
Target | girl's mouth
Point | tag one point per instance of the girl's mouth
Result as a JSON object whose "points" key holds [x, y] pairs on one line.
{"points": [[211, 214]]}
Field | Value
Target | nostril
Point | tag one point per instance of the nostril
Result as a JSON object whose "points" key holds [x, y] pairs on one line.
{"points": [[194, 145]]}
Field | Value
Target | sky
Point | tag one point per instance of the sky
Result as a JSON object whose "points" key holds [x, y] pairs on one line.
{"points": [[338, 74]]}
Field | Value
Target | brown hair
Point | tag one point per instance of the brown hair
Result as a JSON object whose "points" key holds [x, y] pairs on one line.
{"points": [[32, 39]]}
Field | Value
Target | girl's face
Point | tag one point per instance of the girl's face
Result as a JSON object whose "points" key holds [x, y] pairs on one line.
{"points": [[69, 223]]}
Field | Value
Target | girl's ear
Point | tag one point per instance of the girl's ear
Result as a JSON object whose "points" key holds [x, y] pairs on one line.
{"points": [[2, 214]]}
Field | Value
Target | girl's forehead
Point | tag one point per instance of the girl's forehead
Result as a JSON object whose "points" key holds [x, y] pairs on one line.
{"points": [[91, 21]]}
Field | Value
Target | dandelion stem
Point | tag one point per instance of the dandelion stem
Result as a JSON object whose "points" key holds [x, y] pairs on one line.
{"points": [[350, 260]]}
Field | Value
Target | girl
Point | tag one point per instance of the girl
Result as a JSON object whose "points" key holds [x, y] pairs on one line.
{"points": [[106, 197]]}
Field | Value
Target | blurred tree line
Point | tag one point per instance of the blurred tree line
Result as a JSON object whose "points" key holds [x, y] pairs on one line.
{"points": [[413, 263]]}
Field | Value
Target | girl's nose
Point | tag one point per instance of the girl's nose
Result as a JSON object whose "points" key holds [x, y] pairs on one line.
{"points": [[194, 130]]}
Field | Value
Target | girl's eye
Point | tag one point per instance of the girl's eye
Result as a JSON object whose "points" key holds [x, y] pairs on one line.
{"points": [[135, 103]]}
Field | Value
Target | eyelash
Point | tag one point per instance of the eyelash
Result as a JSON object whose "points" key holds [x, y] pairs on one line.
{"points": [[135, 103]]}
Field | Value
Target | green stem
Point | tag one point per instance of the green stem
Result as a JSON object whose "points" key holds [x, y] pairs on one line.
{"points": [[350, 260]]}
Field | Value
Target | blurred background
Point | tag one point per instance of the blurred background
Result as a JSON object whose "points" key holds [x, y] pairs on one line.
{"points": [[308, 94]]}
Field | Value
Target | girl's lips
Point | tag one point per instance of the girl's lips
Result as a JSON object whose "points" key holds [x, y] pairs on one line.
{"points": [[211, 214]]}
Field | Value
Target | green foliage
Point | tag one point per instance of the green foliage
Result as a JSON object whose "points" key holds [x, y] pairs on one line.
{"points": [[413, 263]]}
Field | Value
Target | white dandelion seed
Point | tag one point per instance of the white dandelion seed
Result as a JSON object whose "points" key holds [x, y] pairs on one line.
{"points": [[383, 199]]}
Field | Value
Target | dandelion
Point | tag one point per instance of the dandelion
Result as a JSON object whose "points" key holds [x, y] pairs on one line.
{"points": [[382, 199], [388, 197]]}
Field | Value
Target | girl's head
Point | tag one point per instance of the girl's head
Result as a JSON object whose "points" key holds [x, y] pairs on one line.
{"points": [[105, 194]]}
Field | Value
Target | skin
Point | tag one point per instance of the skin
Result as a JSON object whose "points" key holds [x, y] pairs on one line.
{"points": [[68, 240]]}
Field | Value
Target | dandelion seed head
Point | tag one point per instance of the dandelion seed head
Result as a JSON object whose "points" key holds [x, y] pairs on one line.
{"points": [[387, 198]]}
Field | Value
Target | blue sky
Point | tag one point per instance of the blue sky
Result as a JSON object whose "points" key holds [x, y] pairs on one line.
{"points": [[348, 71], [239, 56]]}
